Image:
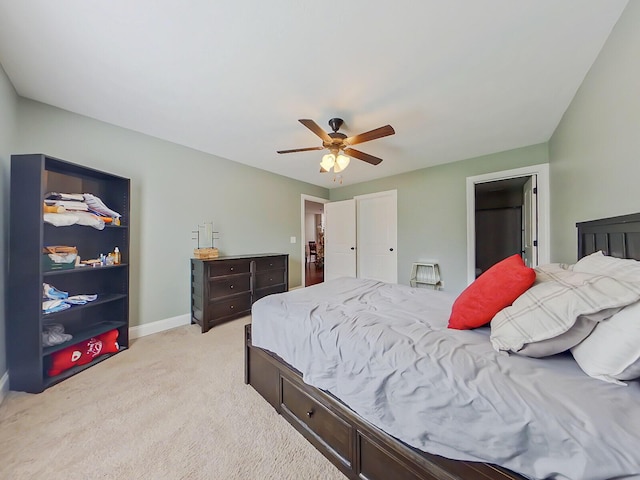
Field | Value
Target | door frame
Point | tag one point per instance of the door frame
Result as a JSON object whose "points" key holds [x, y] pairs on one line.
{"points": [[544, 212], [303, 198]]}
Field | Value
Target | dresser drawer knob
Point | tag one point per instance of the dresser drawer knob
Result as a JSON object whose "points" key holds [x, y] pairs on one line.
{"points": [[231, 287], [271, 279], [310, 413], [231, 307], [231, 269]]}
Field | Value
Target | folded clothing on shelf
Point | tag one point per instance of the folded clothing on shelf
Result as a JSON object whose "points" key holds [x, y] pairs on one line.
{"points": [[60, 210], [53, 334], [55, 300], [80, 299], [68, 204], [64, 196], [96, 205], [66, 218], [52, 293], [52, 306]]}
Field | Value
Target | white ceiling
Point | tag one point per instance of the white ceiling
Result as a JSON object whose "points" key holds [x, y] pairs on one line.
{"points": [[455, 78]]}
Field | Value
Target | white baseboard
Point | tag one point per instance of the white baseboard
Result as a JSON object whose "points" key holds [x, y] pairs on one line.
{"points": [[159, 326], [4, 386], [134, 332]]}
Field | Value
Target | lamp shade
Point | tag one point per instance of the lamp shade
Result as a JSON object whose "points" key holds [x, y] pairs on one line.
{"points": [[328, 161], [342, 162]]}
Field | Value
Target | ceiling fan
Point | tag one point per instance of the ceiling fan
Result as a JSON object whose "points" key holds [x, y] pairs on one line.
{"points": [[337, 142]]}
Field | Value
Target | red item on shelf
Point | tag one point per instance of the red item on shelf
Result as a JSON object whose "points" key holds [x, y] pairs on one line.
{"points": [[83, 352]]}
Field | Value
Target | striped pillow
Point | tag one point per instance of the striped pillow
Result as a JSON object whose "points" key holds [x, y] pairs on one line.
{"points": [[551, 308]]}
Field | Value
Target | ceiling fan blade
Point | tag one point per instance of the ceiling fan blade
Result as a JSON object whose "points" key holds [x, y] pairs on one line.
{"points": [[300, 150], [362, 156], [315, 128], [371, 135]]}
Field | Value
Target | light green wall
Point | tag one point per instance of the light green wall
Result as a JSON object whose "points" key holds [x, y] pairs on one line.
{"points": [[8, 113], [432, 222], [173, 188], [595, 151], [8, 106]]}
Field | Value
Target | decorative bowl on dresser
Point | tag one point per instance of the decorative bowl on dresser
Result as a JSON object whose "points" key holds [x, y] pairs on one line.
{"points": [[224, 288]]}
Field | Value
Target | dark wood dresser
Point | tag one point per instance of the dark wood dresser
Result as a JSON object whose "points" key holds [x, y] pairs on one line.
{"points": [[224, 288]]}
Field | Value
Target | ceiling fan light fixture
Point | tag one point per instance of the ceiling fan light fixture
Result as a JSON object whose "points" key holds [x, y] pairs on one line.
{"points": [[337, 143], [342, 162], [327, 163]]}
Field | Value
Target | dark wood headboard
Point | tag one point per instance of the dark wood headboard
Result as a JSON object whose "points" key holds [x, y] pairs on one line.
{"points": [[615, 236]]}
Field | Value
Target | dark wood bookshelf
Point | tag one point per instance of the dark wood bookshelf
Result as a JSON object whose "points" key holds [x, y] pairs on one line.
{"points": [[32, 177]]}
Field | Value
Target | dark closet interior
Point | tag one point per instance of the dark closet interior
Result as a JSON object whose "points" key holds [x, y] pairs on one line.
{"points": [[499, 227]]}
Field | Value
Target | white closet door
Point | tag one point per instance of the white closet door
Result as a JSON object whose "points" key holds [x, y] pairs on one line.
{"points": [[377, 220], [530, 222], [340, 239]]}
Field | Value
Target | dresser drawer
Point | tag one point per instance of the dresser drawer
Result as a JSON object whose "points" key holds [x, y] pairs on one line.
{"points": [[328, 428], [269, 278], [229, 285], [231, 306], [219, 268], [268, 263]]}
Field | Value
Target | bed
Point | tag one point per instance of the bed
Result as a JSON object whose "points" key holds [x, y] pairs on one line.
{"points": [[340, 406]]}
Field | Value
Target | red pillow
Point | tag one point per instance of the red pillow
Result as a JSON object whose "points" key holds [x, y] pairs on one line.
{"points": [[83, 352], [492, 291]]}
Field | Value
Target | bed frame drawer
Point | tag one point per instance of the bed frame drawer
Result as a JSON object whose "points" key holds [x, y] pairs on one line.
{"points": [[377, 462], [334, 433], [357, 448]]}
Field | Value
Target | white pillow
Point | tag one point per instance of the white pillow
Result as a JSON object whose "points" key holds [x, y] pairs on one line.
{"points": [[600, 264], [612, 351], [563, 342], [550, 308]]}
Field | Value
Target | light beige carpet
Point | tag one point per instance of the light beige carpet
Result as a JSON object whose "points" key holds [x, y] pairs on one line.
{"points": [[173, 406]]}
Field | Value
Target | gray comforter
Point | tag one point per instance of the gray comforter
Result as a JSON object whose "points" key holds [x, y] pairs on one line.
{"points": [[385, 351]]}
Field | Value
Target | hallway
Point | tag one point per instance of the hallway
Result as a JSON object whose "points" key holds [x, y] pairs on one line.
{"points": [[313, 274]]}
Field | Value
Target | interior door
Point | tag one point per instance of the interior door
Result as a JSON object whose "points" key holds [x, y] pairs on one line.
{"points": [[340, 239], [530, 222], [377, 236]]}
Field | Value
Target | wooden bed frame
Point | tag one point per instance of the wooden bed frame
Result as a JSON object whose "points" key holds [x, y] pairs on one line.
{"points": [[361, 450]]}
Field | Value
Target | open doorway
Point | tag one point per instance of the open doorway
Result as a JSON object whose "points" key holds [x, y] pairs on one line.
{"points": [[312, 240], [504, 228], [500, 225]]}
